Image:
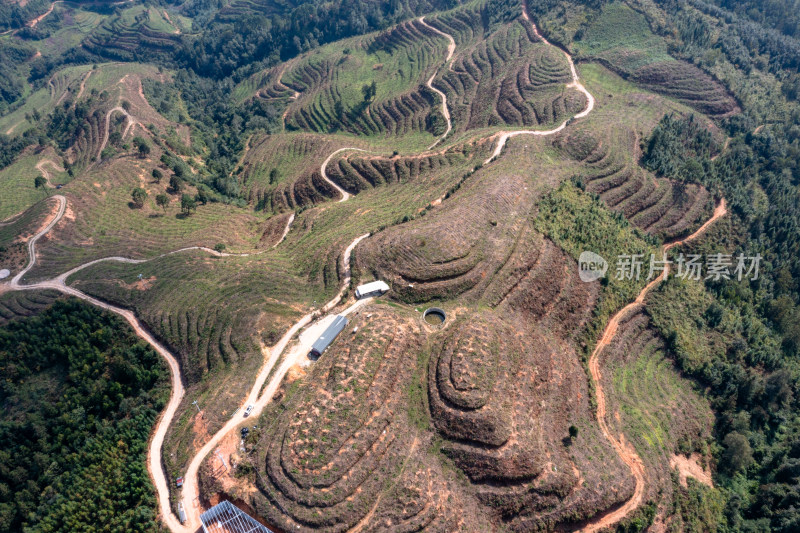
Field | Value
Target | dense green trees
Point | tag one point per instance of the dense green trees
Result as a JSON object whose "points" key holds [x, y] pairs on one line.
{"points": [[80, 393]]}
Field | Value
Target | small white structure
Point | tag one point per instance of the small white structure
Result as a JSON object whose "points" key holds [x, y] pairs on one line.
{"points": [[374, 288]]}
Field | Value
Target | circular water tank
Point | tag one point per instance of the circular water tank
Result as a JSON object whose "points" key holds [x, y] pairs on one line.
{"points": [[434, 316]]}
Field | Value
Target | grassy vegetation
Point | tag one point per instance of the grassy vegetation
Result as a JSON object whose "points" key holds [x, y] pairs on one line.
{"points": [[622, 37], [17, 191], [579, 221]]}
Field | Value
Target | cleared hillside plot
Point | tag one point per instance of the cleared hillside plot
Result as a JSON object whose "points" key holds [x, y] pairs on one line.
{"points": [[17, 189], [621, 39], [15, 232], [108, 226], [331, 82], [607, 145], [452, 250], [67, 30], [457, 247], [502, 396], [345, 437], [209, 310], [509, 77], [649, 402], [124, 110]]}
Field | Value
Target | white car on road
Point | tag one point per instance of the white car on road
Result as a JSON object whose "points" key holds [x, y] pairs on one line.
{"points": [[248, 410]]}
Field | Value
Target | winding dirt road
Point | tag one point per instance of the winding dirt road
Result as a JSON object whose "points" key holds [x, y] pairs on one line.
{"points": [[451, 47], [344, 193], [131, 122], [45, 174], [625, 450], [33, 22]]}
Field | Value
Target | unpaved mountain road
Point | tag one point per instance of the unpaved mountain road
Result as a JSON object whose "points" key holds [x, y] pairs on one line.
{"points": [[40, 167], [131, 123], [344, 193], [625, 450], [451, 47]]}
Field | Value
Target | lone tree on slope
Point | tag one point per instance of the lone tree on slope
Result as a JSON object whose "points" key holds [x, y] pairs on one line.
{"points": [[162, 201], [175, 184], [188, 204], [139, 195], [40, 183]]}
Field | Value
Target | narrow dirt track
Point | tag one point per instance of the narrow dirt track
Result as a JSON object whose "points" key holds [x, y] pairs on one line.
{"points": [[285, 231], [451, 47], [625, 450], [83, 85], [344, 193], [45, 174], [131, 122], [33, 22]]}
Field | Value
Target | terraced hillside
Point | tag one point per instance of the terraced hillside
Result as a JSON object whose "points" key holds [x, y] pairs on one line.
{"points": [[132, 32], [327, 96], [660, 206], [506, 77], [341, 441]]}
